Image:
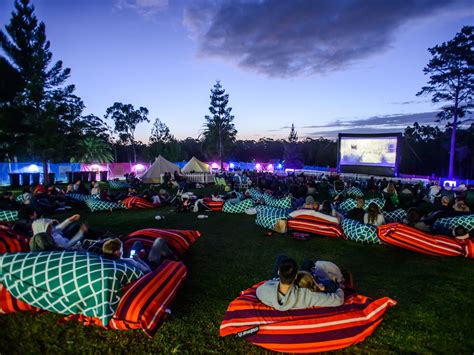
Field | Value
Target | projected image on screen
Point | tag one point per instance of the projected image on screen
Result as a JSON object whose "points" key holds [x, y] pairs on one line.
{"points": [[368, 151]]}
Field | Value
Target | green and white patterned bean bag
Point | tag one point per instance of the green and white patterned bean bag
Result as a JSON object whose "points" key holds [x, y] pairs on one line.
{"points": [[347, 205], [238, 207], [67, 282], [354, 192], [267, 216], [117, 185], [99, 205], [446, 226], [79, 197], [8, 216], [360, 232], [284, 202], [378, 201], [395, 216], [20, 198], [255, 194]]}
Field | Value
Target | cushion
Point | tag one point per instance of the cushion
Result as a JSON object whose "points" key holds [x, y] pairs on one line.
{"points": [[9, 244], [395, 216], [354, 192], [117, 185], [79, 197], [9, 304], [144, 304], [213, 205], [406, 237], [179, 240], [138, 202], [378, 201], [67, 282], [313, 329], [238, 207], [447, 225], [255, 194], [360, 232], [347, 205], [315, 225], [284, 202], [8, 216], [99, 205], [468, 248], [267, 217], [20, 198]]}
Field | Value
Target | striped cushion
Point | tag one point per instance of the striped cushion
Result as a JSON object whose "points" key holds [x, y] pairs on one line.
{"points": [[99, 205], [268, 216], [447, 225], [144, 304], [9, 244], [315, 225], [213, 205], [8, 216], [354, 192], [9, 304], [360, 232], [138, 202], [395, 216], [406, 237], [314, 329], [179, 240], [239, 207], [468, 248], [117, 185]]}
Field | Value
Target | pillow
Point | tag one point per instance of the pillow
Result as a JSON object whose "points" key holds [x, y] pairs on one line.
{"points": [[238, 207], [468, 248], [255, 194], [9, 244], [79, 197], [315, 224], [137, 202], [179, 240], [360, 232], [395, 216], [354, 192], [67, 282], [378, 201], [267, 217], [117, 185], [284, 202], [347, 205], [406, 237], [447, 225], [99, 205], [213, 205], [313, 329], [9, 216], [144, 304], [9, 304]]}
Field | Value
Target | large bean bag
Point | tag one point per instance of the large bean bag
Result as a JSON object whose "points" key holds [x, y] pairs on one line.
{"points": [[8, 216], [447, 225], [138, 202], [213, 205], [284, 202], [313, 222], [307, 330], [354, 192], [79, 197], [117, 185], [11, 242], [268, 216], [9, 304], [67, 282], [380, 202], [347, 205], [178, 240], [20, 198], [395, 216], [255, 194], [99, 205], [406, 237], [360, 232], [145, 303], [238, 207]]}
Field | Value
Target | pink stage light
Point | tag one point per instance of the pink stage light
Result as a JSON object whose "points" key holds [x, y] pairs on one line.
{"points": [[270, 167], [138, 167], [94, 167], [258, 166], [215, 166]]}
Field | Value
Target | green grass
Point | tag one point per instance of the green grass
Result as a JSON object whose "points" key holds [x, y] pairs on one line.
{"points": [[435, 311]]}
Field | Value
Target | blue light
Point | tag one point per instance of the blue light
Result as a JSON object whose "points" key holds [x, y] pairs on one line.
{"points": [[232, 165], [280, 166]]}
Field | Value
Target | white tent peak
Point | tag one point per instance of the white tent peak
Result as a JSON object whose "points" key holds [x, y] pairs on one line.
{"points": [[195, 165], [158, 168]]}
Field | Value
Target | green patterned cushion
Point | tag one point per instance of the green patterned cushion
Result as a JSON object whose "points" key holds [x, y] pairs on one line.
{"points": [[117, 185], [255, 194], [67, 282], [354, 192], [395, 216], [284, 202], [447, 225], [99, 205], [378, 201], [347, 205], [78, 197], [8, 216], [238, 207], [267, 216], [20, 198], [360, 232]]}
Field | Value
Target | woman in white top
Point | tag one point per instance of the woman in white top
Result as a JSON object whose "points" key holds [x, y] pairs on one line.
{"points": [[373, 215]]}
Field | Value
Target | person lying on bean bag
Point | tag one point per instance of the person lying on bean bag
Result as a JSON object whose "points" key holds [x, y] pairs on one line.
{"points": [[284, 294], [48, 235]]}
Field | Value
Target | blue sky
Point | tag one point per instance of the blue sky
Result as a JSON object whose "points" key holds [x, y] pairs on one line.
{"points": [[326, 66]]}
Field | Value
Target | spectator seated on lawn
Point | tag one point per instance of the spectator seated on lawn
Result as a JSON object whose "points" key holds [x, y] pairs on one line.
{"points": [[373, 215], [460, 205], [413, 219], [26, 216], [358, 212], [8, 202], [283, 294], [461, 233]]}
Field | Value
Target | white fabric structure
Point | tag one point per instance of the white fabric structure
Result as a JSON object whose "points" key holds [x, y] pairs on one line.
{"points": [[157, 170], [196, 166]]}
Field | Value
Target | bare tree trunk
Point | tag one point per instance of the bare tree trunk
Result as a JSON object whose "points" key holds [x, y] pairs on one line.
{"points": [[452, 149], [45, 172]]}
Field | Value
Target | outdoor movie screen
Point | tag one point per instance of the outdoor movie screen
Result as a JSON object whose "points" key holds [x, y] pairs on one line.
{"points": [[368, 151]]}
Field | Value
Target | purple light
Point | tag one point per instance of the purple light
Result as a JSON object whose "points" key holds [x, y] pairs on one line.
{"points": [[258, 166], [138, 167], [95, 167], [215, 166], [270, 167]]}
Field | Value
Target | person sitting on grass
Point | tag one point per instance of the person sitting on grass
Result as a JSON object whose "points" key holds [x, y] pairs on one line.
{"points": [[413, 219], [373, 215], [358, 212], [283, 294], [461, 233]]}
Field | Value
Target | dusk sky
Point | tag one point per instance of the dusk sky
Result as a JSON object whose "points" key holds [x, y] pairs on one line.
{"points": [[326, 66]]}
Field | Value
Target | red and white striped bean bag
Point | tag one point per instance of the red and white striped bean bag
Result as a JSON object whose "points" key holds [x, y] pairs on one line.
{"points": [[213, 205], [138, 202], [406, 237], [315, 223], [307, 330]]}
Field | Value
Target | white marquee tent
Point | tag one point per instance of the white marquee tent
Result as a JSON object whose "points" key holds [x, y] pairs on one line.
{"points": [[157, 169], [195, 165]]}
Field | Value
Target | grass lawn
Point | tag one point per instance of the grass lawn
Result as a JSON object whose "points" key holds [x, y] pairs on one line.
{"points": [[435, 311]]}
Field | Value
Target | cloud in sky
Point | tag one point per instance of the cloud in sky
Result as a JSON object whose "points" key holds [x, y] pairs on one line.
{"points": [[146, 8], [298, 37]]}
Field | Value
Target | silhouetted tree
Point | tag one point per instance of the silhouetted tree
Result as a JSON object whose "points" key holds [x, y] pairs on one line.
{"points": [[160, 132], [293, 137], [451, 71]]}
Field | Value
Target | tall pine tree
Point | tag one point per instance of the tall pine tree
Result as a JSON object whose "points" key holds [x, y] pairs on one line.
{"points": [[219, 129]]}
